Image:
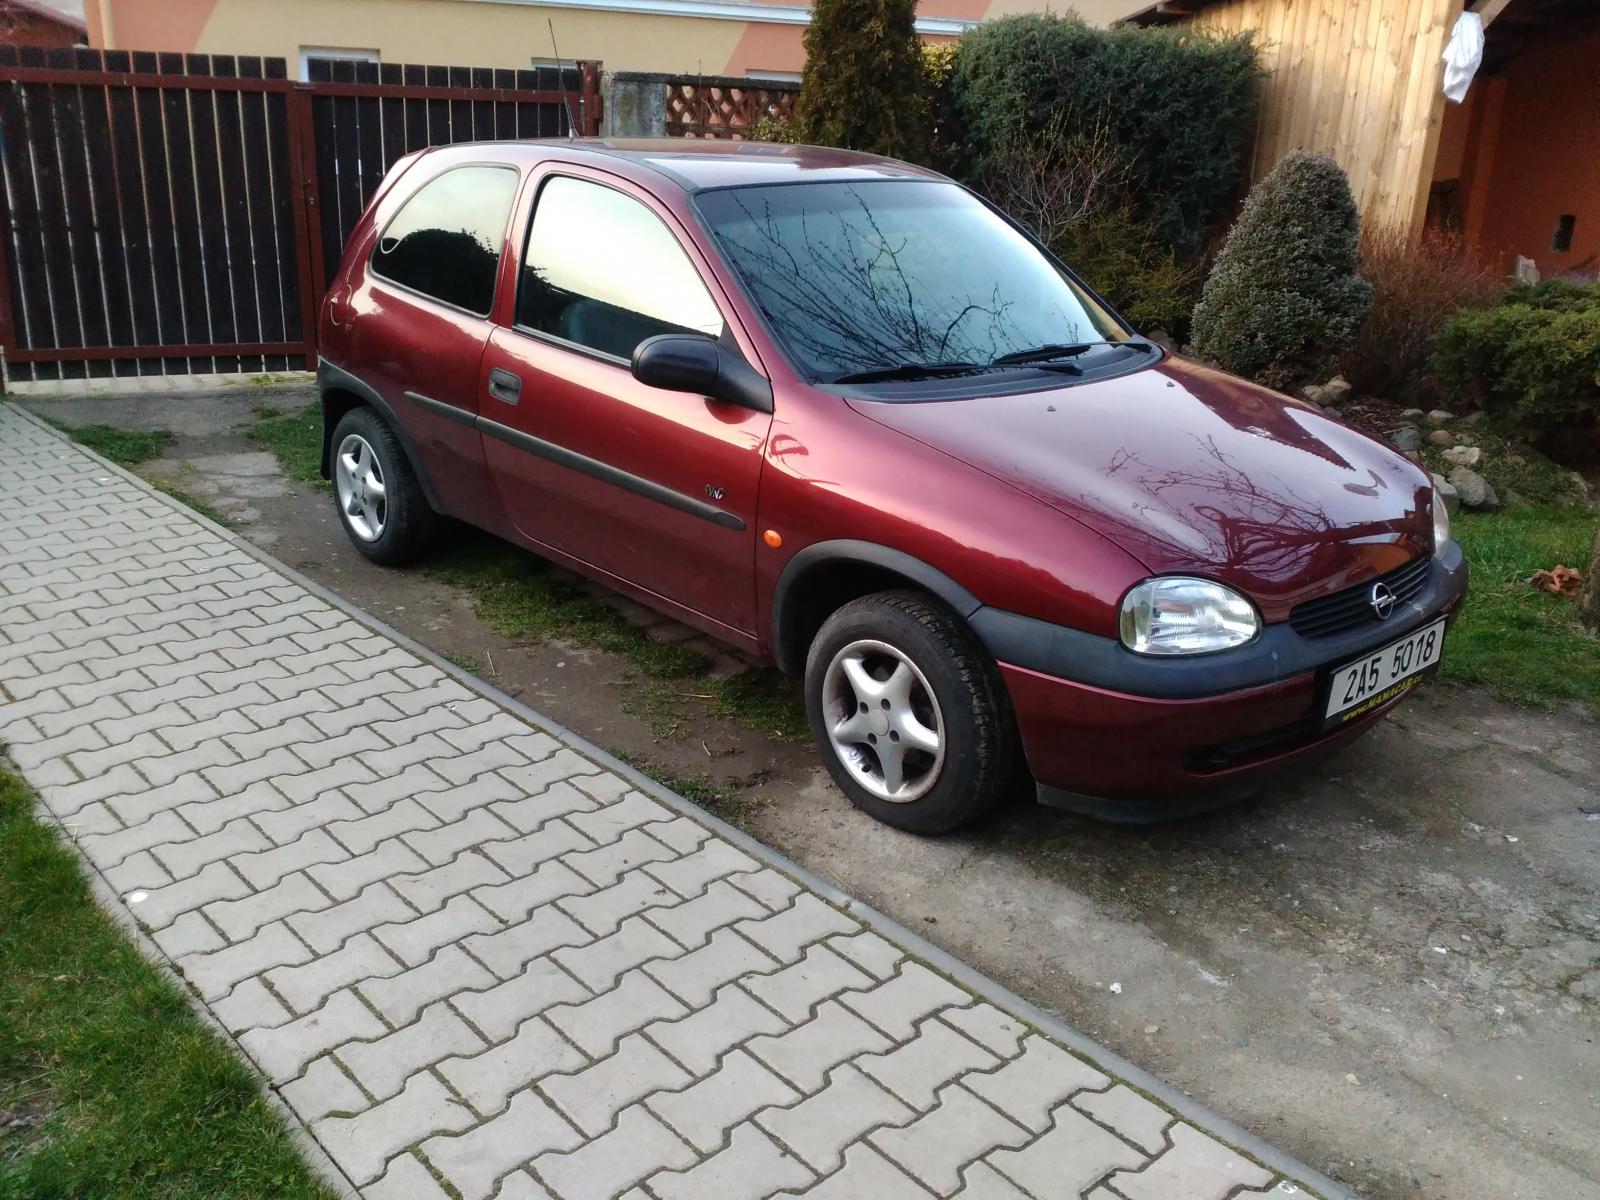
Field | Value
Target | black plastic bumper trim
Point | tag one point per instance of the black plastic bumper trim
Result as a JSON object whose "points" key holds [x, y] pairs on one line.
{"points": [[1278, 654]]}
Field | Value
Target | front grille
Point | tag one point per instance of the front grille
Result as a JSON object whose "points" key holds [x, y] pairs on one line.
{"points": [[1352, 608]]}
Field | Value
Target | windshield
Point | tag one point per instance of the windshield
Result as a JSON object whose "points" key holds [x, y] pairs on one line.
{"points": [[866, 277]]}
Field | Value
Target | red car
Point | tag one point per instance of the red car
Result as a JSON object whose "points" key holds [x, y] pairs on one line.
{"points": [[840, 411]]}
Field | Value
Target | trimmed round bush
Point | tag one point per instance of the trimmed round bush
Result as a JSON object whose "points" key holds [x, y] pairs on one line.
{"points": [[1284, 300], [863, 87]]}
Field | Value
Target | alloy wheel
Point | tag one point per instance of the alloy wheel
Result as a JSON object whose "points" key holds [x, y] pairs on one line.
{"points": [[358, 481], [883, 720]]}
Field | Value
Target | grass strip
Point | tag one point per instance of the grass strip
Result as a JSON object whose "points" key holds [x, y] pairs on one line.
{"points": [[518, 596], [126, 447], [115, 1090], [1521, 643], [294, 438]]}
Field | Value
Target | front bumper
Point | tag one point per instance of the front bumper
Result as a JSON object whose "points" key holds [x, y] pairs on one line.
{"points": [[1133, 738]]}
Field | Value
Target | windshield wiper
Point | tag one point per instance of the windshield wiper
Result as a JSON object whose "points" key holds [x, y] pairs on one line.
{"points": [[1057, 351], [928, 370]]}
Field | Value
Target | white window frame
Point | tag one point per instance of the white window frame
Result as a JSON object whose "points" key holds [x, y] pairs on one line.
{"points": [[337, 54]]}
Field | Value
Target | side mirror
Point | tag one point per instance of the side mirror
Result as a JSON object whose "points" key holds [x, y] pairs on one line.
{"points": [[680, 362]]}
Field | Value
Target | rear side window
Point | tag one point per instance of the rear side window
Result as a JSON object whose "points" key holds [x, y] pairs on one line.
{"points": [[601, 270], [445, 241]]}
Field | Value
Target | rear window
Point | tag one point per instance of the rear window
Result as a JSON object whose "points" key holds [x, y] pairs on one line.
{"points": [[445, 241]]}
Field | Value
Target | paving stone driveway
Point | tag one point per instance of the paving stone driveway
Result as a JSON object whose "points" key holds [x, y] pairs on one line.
{"points": [[463, 950]]}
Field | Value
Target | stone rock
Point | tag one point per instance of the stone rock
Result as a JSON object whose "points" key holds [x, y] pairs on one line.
{"points": [[1440, 417], [1476, 494], [1442, 437], [1525, 270], [1463, 456], [1407, 437], [1188, 351], [1579, 491], [1473, 418], [1312, 393], [1163, 339], [1447, 493], [1515, 499], [1412, 414], [1337, 390]]}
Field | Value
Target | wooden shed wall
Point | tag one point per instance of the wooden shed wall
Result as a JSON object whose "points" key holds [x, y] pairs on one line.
{"points": [[1355, 79]]}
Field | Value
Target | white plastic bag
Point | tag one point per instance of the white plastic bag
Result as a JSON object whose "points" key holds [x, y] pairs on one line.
{"points": [[1463, 55]]}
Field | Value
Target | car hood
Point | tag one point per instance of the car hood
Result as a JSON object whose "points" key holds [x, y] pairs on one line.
{"points": [[1191, 470]]}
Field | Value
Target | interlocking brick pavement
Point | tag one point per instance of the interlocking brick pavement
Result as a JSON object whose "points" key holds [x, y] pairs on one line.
{"points": [[466, 953]]}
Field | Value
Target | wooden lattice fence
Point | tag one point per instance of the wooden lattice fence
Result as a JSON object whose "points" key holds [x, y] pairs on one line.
{"points": [[724, 108]]}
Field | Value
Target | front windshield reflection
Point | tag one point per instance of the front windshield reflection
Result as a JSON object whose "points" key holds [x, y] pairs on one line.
{"points": [[866, 276]]}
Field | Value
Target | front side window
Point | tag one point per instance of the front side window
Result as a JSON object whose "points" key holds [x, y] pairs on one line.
{"points": [[874, 275], [601, 270], [445, 241]]}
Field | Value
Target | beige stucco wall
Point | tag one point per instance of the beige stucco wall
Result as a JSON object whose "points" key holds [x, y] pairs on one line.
{"points": [[493, 33]]}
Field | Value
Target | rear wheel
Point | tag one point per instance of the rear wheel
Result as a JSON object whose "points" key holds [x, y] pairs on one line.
{"points": [[909, 712], [380, 500]]}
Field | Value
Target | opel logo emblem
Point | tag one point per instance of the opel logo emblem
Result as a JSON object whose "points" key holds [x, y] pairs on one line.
{"points": [[1382, 600]]}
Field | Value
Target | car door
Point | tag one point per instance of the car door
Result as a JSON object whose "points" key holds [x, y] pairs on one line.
{"points": [[418, 321], [654, 488]]}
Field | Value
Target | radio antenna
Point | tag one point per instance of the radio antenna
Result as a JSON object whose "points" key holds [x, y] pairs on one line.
{"points": [[561, 73]]}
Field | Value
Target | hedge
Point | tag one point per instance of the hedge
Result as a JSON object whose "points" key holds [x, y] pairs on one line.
{"points": [[1182, 102]]}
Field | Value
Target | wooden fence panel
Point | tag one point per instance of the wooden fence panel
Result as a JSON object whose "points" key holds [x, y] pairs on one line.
{"points": [[168, 213]]}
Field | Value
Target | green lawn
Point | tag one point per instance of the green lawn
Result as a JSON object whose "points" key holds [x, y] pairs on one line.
{"points": [[110, 1087], [1521, 643]]}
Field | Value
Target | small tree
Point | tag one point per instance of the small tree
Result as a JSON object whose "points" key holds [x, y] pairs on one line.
{"points": [[1284, 298], [864, 87]]}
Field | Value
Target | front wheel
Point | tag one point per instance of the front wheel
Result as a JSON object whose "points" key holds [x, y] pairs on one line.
{"points": [[909, 713], [381, 504]]}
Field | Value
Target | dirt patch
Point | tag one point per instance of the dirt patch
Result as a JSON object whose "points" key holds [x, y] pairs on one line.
{"points": [[1389, 966]]}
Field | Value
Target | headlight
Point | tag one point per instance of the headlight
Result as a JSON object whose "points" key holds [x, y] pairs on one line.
{"points": [[1441, 524], [1174, 615]]}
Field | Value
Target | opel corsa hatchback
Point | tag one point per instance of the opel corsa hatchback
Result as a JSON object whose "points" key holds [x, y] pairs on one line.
{"points": [[838, 410]]}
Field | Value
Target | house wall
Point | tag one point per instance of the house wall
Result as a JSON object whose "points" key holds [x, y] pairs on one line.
{"points": [[29, 25], [1541, 156], [675, 35], [1358, 80]]}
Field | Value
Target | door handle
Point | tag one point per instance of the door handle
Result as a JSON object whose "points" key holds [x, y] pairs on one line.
{"points": [[505, 386]]}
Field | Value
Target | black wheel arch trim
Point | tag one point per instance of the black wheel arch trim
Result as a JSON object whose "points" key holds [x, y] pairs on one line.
{"points": [[1278, 654], [331, 378], [791, 658]]}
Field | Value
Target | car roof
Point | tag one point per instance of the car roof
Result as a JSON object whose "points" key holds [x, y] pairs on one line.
{"points": [[697, 163]]}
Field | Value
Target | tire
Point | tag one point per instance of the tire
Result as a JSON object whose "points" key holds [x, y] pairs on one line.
{"points": [[887, 655], [397, 527]]}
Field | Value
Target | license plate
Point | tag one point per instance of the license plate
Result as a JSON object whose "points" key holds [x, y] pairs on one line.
{"points": [[1375, 679]]}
